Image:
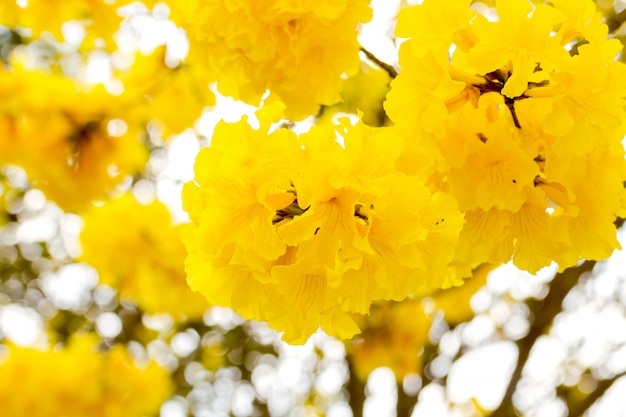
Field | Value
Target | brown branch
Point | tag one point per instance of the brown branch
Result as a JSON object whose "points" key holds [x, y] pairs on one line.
{"points": [[388, 68], [544, 310], [356, 390], [616, 21], [406, 403]]}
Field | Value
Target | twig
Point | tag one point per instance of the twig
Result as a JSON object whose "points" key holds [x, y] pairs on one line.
{"points": [[545, 310], [616, 21], [388, 68]]}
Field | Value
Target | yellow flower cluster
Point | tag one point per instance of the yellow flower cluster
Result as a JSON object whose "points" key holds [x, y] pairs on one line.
{"points": [[298, 49], [78, 142], [137, 251], [67, 141], [506, 145], [523, 118], [301, 230], [152, 89], [79, 381]]}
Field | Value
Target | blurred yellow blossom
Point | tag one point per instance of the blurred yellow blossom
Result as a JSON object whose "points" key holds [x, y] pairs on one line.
{"points": [[296, 49], [62, 137], [152, 88], [136, 250], [78, 380]]}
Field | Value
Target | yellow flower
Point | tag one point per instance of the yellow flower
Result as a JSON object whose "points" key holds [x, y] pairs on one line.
{"points": [[308, 292], [433, 26], [512, 112], [536, 241], [151, 88], [587, 102], [299, 231], [496, 170], [419, 95], [595, 198], [581, 20], [61, 138], [518, 43], [484, 238], [86, 382], [136, 250], [413, 237], [296, 49]]}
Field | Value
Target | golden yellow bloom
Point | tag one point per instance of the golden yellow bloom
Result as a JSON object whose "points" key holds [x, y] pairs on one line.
{"points": [[419, 95], [296, 49], [136, 250], [62, 138], [299, 231], [432, 27], [76, 142], [496, 170], [514, 113], [78, 381], [152, 89], [595, 195], [485, 237]]}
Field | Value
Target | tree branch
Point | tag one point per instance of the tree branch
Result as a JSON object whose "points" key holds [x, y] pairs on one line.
{"points": [[388, 68], [616, 21], [405, 403], [356, 390], [544, 310]]}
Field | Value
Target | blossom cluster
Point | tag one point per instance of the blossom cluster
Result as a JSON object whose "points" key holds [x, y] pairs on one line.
{"points": [[505, 144], [299, 50], [77, 142], [143, 262], [78, 381], [61, 137], [523, 118], [316, 225]]}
